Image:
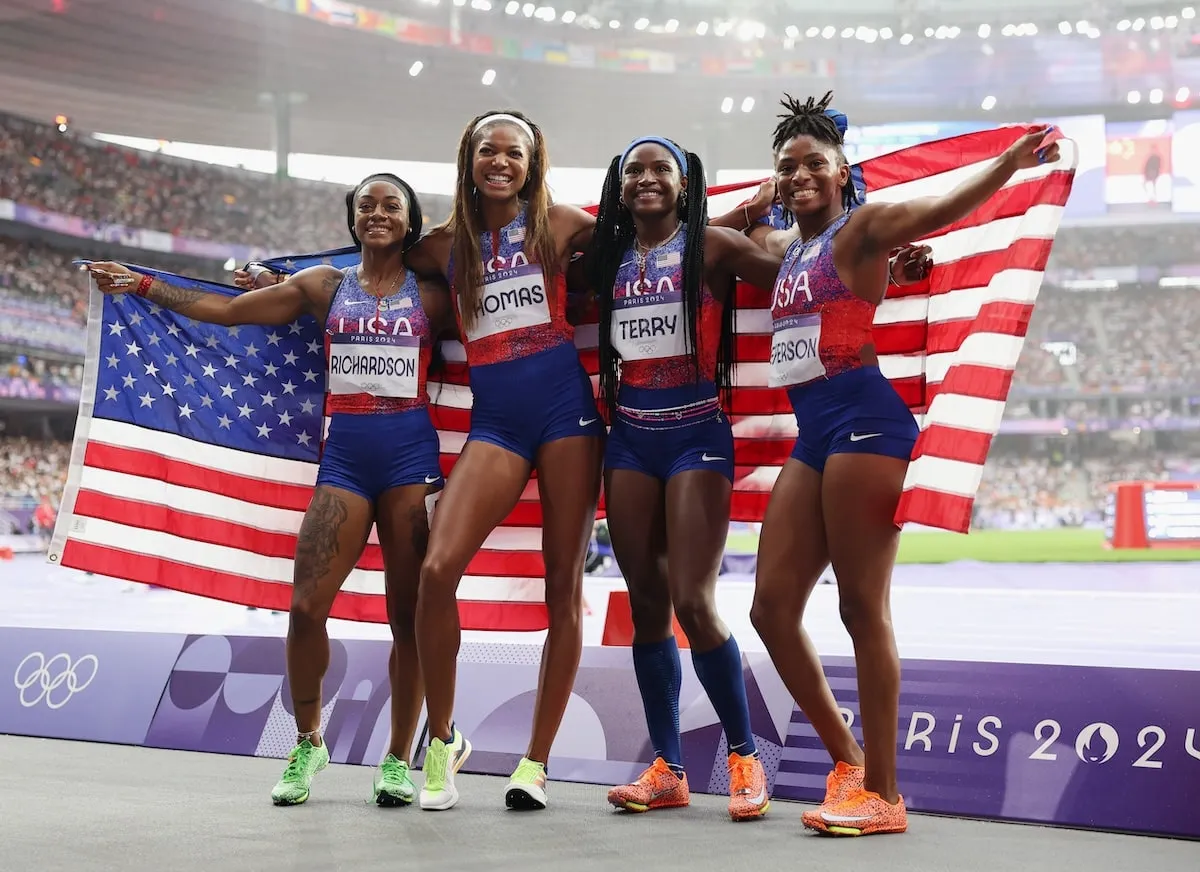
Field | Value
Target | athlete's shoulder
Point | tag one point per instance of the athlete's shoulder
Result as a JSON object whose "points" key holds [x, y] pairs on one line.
{"points": [[319, 282]]}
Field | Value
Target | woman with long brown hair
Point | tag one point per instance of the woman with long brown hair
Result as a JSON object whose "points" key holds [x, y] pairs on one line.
{"points": [[505, 251]]}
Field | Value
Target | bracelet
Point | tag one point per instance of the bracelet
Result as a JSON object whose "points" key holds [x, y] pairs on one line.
{"points": [[746, 212], [143, 287], [891, 266]]}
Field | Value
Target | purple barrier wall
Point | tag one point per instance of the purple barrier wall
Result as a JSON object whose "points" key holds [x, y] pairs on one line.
{"points": [[1103, 748]]}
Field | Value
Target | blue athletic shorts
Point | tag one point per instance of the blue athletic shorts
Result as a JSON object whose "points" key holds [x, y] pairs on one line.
{"points": [[854, 412], [370, 453], [661, 447], [522, 404]]}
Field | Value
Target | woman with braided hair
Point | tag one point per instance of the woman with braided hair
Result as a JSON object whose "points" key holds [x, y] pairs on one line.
{"points": [[836, 497], [664, 281], [380, 461]]}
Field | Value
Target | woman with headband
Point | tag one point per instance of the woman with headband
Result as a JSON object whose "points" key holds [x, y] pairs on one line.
{"points": [[505, 251], [665, 283], [836, 497], [380, 461]]}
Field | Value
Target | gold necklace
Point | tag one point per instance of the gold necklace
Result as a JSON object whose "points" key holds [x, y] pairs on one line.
{"points": [[641, 251], [362, 274]]}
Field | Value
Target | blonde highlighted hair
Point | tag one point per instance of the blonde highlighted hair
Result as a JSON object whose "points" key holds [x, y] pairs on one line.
{"points": [[466, 221]]}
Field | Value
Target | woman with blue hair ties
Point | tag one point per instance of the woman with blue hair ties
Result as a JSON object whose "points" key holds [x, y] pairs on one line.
{"points": [[764, 212]]}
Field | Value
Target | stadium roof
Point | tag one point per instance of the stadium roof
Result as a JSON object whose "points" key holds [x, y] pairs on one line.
{"points": [[203, 70]]}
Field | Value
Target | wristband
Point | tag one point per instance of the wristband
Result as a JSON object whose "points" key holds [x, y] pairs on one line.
{"points": [[892, 266], [143, 287]]}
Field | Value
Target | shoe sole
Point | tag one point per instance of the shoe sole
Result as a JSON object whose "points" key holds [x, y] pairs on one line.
{"points": [[386, 800], [519, 799], [750, 816], [638, 808]]}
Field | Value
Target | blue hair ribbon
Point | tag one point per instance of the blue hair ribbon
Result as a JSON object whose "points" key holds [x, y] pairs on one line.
{"points": [[676, 152]]}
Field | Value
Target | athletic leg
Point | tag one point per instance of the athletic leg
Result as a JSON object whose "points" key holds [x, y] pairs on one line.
{"points": [[403, 524], [859, 498], [697, 526], [792, 553], [568, 477], [330, 541], [486, 483], [635, 504]]}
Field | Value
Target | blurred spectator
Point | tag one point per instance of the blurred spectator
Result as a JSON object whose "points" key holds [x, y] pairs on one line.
{"points": [[106, 183]]}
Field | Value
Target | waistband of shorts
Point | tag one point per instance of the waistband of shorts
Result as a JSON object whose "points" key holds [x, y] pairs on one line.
{"points": [[663, 408], [380, 419], [834, 385]]}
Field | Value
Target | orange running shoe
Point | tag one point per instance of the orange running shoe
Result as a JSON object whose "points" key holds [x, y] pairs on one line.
{"points": [[748, 797], [841, 783], [657, 787], [863, 813]]}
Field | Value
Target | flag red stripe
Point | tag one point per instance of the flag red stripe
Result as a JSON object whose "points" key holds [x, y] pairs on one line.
{"points": [[147, 464], [215, 531], [935, 509], [514, 616]]}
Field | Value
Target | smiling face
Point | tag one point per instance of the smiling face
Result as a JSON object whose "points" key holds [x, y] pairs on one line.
{"points": [[651, 181], [501, 159], [380, 214], [809, 175]]}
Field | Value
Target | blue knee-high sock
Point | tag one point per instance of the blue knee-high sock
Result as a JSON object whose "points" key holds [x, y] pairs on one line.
{"points": [[658, 676], [720, 671]]}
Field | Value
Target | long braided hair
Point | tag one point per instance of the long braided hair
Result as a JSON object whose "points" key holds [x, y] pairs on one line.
{"points": [[811, 119], [615, 232], [415, 218], [466, 222]]}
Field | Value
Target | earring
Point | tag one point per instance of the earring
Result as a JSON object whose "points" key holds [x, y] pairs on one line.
{"points": [[683, 201]]}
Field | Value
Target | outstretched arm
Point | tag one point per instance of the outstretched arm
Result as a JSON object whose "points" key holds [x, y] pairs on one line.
{"points": [[883, 227], [297, 295]]}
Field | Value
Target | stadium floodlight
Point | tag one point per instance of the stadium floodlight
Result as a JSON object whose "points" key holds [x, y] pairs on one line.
{"points": [[415, 69], [1134, 97], [727, 105], [671, 26], [489, 76], [568, 17], [641, 24], [1156, 95], [988, 104], [748, 104], [512, 8], [702, 28], [985, 30]]}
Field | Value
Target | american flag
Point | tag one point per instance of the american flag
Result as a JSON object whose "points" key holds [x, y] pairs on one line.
{"points": [[197, 446]]}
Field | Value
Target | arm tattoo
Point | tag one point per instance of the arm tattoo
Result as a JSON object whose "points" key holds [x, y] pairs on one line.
{"points": [[173, 298]]}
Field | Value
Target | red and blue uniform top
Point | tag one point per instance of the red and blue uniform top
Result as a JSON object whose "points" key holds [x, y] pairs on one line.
{"points": [[377, 349], [818, 325], [649, 321], [519, 313]]}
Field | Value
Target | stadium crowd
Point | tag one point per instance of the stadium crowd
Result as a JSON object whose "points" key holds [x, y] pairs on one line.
{"points": [[1093, 342]]}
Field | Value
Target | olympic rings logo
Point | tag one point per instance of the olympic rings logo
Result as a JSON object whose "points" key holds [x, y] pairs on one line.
{"points": [[503, 322], [45, 677], [647, 348]]}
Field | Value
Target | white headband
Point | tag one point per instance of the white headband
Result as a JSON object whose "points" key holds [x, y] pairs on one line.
{"points": [[511, 119]]}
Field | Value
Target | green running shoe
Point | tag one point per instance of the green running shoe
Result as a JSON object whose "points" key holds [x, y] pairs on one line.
{"points": [[441, 763], [305, 761], [393, 786]]}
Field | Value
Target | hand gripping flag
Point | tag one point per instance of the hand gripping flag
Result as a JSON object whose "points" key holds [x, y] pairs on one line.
{"points": [[196, 446]]}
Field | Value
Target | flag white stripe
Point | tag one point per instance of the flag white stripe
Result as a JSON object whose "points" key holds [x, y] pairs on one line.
{"points": [[216, 457], [253, 516]]}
